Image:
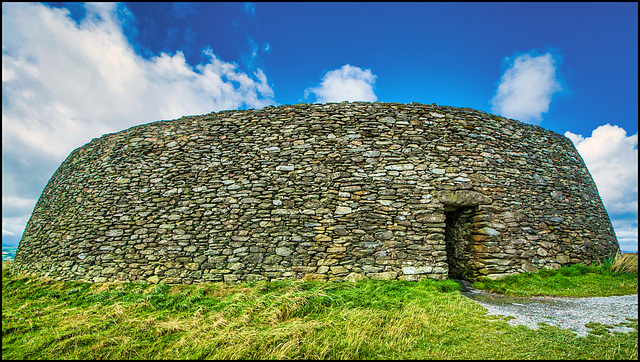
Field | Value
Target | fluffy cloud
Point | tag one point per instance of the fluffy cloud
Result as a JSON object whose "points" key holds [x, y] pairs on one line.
{"points": [[612, 158], [348, 83], [526, 87], [15, 214], [64, 83]]}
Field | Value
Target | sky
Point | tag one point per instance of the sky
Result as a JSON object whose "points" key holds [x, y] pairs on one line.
{"points": [[72, 72]]}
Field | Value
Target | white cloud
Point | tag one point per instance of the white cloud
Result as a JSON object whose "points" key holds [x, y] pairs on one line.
{"points": [[348, 83], [14, 226], [17, 206], [15, 214], [526, 87], [64, 83], [612, 159]]}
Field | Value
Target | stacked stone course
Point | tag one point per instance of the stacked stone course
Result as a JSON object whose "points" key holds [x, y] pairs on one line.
{"points": [[338, 191]]}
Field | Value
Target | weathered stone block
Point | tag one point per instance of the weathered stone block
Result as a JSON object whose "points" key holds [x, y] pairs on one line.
{"points": [[462, 198], [417, 270], [383, 275], [341, 210], [355, 277], [284, 251], [313, 276]]}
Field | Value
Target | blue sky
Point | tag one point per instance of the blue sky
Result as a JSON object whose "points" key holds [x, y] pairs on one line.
{"points": [[74, 71]]}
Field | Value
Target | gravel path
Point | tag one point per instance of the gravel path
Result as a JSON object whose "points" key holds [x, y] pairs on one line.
{"points": [[564, 312]]}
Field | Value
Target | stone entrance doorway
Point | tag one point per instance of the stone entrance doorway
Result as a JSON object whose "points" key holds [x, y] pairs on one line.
{"points": [[458, 231], [462, 211]]}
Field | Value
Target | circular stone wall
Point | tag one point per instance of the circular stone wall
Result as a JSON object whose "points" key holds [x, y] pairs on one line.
{"points": [[325, 191]]}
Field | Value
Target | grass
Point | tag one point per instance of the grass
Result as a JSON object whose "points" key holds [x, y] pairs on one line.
{"points": [[615, 276], [47, 319], [624, 263]]}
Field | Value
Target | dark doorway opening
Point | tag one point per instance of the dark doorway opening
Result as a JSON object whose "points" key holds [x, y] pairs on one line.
{"points": [[458, 231]]}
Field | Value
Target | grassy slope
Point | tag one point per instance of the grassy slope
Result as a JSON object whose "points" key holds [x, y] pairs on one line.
{"points": [[286, 319]]}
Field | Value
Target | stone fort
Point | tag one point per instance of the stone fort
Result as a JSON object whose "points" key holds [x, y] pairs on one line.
{"points": [[337, 191]]}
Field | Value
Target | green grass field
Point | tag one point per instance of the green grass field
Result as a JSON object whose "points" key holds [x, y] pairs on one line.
{"points": [[46, 319], [617, 276]]}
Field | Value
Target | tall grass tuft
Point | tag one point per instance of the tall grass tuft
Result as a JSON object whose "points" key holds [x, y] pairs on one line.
{"points": [[625, 263]]}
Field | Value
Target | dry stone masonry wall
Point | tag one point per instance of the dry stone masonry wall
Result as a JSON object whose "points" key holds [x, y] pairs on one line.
{"points": [[338, 191]]}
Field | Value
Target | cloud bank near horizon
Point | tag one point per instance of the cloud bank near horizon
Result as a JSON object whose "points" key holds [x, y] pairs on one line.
{"points": [[612, 159]]}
